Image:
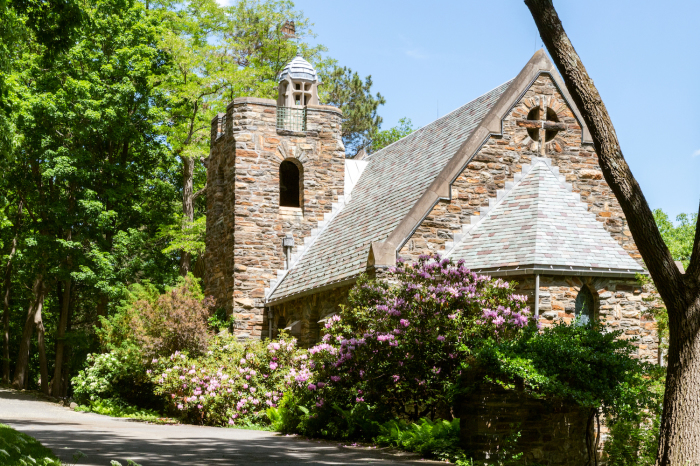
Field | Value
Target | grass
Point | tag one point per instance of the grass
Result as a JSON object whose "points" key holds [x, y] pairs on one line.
{"points": [[18, 449]]}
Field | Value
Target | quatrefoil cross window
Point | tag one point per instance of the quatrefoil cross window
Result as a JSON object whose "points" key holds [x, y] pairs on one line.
{"points": [[542, 124]]}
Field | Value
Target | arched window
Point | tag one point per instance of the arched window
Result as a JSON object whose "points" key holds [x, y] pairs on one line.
{"points": [[290, 184], [585, 306]]}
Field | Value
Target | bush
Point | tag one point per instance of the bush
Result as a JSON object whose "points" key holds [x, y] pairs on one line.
{"points": [[117, 408], [579, 363], [118, 375], [175, 321], [396, 348], [232, 384]]}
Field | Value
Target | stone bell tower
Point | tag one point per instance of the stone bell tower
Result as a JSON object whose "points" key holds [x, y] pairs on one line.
{"points": [[274, 169]]}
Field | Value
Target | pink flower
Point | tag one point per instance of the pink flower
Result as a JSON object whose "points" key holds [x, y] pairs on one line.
{"points": [[312, 386], [359, 399], [441, 338], [404, 322], [252, 389], [273, 366], [396, 378], [199, 406], [230, 422], [172, 395], [335, 378], [179, 406]]}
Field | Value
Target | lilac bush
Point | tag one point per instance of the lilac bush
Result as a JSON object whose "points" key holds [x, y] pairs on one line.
{"points": [[399, 346], [233, 383]]}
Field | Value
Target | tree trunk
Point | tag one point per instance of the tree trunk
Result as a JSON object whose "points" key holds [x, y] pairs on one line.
{"points": [[187, 208], [680, 423], [41, 344], [21, 368], [7, 283], [60, 343]]}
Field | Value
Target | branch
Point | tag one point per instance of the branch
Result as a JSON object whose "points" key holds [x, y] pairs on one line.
{"points": [[694, 265], [199, 193], [617, 173]]}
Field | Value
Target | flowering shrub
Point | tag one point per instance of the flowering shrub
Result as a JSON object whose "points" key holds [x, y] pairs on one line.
{"points": [[117, 375], [400, 347], [232, 383]]}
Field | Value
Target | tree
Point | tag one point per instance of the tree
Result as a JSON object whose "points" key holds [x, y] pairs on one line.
{"points": [[218, 54], [389, 136], [679, 239], [679, 441], [347, 91]]}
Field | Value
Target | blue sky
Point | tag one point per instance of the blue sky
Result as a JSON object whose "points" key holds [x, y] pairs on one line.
{"points": [[428, 58]]}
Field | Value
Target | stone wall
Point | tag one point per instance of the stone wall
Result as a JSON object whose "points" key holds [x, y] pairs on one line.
{"points": [[502, 156], [620, 303], [245, 224], [309, 310], [496, 424]]}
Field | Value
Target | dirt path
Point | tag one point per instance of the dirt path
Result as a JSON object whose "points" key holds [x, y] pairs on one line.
{"points": [[104, 438]]}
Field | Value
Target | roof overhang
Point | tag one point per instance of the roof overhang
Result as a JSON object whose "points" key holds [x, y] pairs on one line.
{"points": [[558, 270]]}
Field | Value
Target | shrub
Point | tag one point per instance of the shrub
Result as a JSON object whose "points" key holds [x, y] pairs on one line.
{"points": [[396, 346], [175, 321], [118, 375], [233, 383], [579, 363]]}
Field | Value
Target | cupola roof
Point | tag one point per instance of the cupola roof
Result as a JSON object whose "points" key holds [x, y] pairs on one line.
{"points": [[299, 69]]}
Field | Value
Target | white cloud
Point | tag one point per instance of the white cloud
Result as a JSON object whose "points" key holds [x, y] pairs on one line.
{"points": [[696, 153]]}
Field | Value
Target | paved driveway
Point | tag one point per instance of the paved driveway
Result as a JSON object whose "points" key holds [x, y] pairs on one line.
{"points": [[104, 438]]}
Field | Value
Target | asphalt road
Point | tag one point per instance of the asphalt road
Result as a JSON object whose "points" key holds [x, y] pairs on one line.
{"points": [[103, 438]]}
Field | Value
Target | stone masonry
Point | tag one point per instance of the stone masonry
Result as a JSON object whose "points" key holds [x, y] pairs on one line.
{"points": [[245, 223], [502, 156]]}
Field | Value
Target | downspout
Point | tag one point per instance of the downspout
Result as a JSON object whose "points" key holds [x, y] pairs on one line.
{"points": [[270, 314], [537, 297]]}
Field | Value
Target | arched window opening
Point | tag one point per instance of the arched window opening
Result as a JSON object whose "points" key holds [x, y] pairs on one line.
{"points": [[290, 184], [585, 306]]}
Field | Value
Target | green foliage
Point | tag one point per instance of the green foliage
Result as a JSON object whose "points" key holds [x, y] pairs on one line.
{"points": [[389, 136], [579, 363], [347, 91], [435, 439], [117, 408], [634, 432], [18, 449], [117, 375], [220, 320], [679, 237]]}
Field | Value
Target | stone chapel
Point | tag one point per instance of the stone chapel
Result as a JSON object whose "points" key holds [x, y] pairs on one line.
{"points": [[509, 182]]}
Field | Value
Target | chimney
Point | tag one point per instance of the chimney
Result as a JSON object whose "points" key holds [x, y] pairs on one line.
{"points": [[289, 30]]}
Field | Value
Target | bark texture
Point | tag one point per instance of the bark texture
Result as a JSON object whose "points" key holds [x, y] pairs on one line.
{"points": [[7, 283], [187, 208], [680, 424], [56, 385], [21, 368]]}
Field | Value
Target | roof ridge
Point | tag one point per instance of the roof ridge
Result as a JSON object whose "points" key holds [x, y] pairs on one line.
{"points": [[446, 115]]}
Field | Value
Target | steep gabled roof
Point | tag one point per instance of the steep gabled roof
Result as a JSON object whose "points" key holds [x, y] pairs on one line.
{"points": [[540, 224], [395, 178]]}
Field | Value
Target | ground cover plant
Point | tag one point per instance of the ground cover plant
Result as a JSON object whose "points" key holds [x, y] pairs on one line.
{"points": [[18, 449]]}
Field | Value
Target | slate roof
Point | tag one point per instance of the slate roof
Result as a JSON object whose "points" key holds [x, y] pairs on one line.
{"points": [[540, 223], [299, 68], [392, 183]]}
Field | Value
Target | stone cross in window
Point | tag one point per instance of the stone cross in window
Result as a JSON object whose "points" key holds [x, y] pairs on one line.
{"points": [[542, 124]]}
